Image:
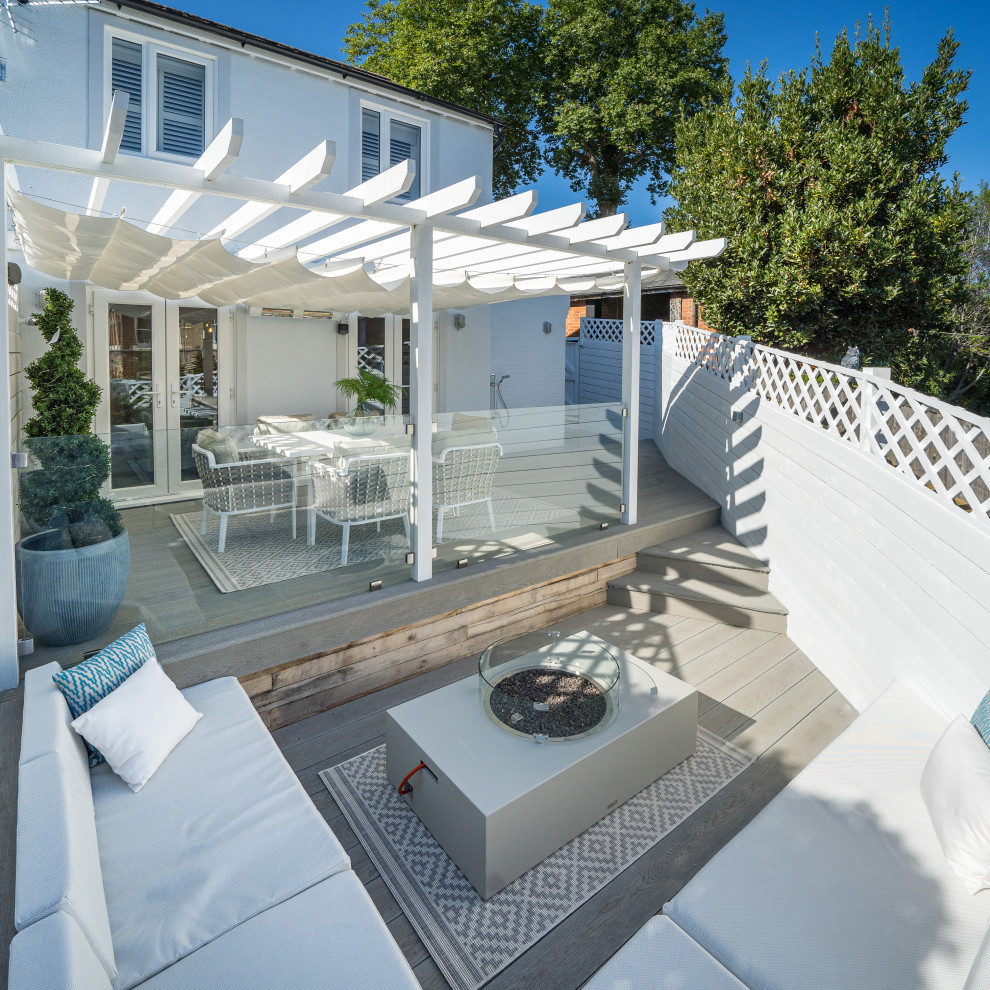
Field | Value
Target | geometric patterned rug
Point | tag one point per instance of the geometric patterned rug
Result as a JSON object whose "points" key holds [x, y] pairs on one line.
{"points": [[470, 939], [261, 551]]}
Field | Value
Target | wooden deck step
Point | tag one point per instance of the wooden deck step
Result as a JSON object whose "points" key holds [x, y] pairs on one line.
{"points": [[711, 555], [697, 598]]}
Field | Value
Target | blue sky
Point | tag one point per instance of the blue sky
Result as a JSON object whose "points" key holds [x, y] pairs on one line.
{"points": [[782, 32]]}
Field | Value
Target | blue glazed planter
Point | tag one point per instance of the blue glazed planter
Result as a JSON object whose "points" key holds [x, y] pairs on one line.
{"points": [[70, 596]]}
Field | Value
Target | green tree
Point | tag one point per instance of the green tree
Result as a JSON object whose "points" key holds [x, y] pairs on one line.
{"points": [[482, 54], [619, 74], [966, 362], [65, 492], [841, 229]]}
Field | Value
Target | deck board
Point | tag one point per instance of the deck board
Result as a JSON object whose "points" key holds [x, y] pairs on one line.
{"points": [[758, 690]]}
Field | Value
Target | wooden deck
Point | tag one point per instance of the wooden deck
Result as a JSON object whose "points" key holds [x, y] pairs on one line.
{"points": [[173, 595], [757, 689]]}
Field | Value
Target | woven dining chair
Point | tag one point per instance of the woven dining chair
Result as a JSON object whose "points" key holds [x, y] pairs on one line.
{"points": [[253, 483], [368, 488]]}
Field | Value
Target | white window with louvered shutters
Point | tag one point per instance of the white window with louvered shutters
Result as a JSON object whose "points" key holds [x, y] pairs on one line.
{"points": [[388, 139], [170, 111], [181, 91], [404, 142], [126, 74]]}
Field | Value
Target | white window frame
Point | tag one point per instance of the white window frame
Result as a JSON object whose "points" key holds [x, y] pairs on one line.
{"points": [[386, 115], [150, 50]]}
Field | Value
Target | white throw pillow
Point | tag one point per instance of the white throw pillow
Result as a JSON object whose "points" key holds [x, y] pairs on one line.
{"points": [[955, 785], [138, 724]]}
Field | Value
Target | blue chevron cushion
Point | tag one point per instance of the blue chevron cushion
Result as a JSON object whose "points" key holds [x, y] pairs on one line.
{"points": [[93, 679], [981, 718]]}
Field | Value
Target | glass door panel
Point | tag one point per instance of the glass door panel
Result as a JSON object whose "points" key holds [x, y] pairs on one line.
{"points": [[134, 395], [194, 390], [371, 344]]}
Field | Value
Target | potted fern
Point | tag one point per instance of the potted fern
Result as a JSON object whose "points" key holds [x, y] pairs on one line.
{"points": [[372, 395], [73, 568]]}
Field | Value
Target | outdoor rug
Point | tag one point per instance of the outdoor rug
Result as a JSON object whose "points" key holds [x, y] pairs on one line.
{"points": [[261, 551], [470, 939]]}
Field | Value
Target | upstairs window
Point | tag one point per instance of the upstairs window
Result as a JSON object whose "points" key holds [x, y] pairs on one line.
{"points": [[404, 140], [170, 112]]}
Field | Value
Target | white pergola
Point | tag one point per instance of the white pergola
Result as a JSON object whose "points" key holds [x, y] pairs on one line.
{"points": [[353, 252]]}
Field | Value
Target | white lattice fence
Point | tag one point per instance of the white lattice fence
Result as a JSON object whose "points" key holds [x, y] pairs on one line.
{"points": [[600, 366], [944, 448], [371, 358]]}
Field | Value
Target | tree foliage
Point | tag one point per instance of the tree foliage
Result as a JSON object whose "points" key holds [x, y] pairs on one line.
{"points": [[841, 229], [64, 494], [618, 76], [966, 362], [482, 54]]}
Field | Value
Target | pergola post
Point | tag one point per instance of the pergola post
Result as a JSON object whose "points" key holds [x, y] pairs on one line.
{"points": [[9, 671], [630, 388], [421, 399]]}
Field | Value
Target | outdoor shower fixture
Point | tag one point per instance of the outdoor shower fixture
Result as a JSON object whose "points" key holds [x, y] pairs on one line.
{"points": [[497, 397]]}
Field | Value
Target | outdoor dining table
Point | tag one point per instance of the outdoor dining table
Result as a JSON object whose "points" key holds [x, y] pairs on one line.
{"points": [[305, 447]]}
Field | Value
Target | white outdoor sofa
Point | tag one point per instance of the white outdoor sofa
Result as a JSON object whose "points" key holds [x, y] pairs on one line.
{"points": [[838, 884], [219, 873]]}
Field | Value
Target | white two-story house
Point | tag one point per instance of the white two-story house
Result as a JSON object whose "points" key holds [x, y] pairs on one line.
{"points": [[186, 77]]}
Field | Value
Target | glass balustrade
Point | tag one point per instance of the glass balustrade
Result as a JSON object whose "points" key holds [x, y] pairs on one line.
{"points": [[223, 525]]}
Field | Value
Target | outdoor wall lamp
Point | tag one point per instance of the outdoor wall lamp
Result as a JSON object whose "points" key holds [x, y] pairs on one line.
{"points": [[342, 328], [13, 273], [460, 321], [547, 327]]}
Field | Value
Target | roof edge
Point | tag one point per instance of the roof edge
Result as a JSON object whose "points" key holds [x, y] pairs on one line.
{"points": [[343, 69]]}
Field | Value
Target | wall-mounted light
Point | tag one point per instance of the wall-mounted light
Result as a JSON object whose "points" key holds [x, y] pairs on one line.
{"points": [[342, 327], [460, 321], [13, 273], [547, 327]]}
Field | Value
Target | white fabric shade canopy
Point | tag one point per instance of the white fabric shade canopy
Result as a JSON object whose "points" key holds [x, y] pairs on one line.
{"points": [[114, 253]]}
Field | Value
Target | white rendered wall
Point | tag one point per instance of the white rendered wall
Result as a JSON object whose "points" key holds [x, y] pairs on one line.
{"points": [[465, 359], [882, 579], [54, 91], [533, 359], [288, 366]]}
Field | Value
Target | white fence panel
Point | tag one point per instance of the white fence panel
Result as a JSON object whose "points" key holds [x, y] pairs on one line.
{"points": [[600, 367], [864, 497]]}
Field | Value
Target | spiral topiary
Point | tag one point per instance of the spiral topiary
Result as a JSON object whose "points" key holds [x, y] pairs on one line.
{"points": [[64, 494]]}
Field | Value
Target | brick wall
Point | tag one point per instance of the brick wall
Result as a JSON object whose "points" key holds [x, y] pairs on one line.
{"points": [[579, 308]]}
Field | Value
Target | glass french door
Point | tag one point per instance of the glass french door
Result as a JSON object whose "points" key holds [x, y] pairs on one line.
{"points": [[162, 368], [383, 347]]}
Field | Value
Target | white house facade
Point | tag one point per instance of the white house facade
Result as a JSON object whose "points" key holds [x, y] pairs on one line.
{"points": [[186, 78]]}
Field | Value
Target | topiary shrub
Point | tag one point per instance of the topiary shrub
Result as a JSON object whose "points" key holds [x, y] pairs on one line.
{"points": [[64, 494]]}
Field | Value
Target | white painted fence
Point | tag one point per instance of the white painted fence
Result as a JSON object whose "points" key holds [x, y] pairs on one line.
{"points": [[139, 390], [868, 500], [600, 367]]}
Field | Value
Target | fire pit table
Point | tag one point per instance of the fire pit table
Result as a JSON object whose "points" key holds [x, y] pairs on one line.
{"points": [[552, 734]]}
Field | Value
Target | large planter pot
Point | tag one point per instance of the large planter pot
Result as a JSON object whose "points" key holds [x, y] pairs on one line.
{"points": [[70, 596]]}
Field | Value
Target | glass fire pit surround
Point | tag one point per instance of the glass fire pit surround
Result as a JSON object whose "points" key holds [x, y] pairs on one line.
{"points": [[547, 688]]}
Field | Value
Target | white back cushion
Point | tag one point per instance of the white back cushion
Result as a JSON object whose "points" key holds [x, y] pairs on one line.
{"points": [[54, 954], [58, 859]]}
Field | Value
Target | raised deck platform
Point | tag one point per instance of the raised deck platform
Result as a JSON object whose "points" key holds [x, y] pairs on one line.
{"points": [[756, 689]]}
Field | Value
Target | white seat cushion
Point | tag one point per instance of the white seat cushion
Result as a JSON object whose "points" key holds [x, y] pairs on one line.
{"points": [[58, 857], [220, 833], [329, 937], [840, 881], [661, 957], [54, 954]]}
